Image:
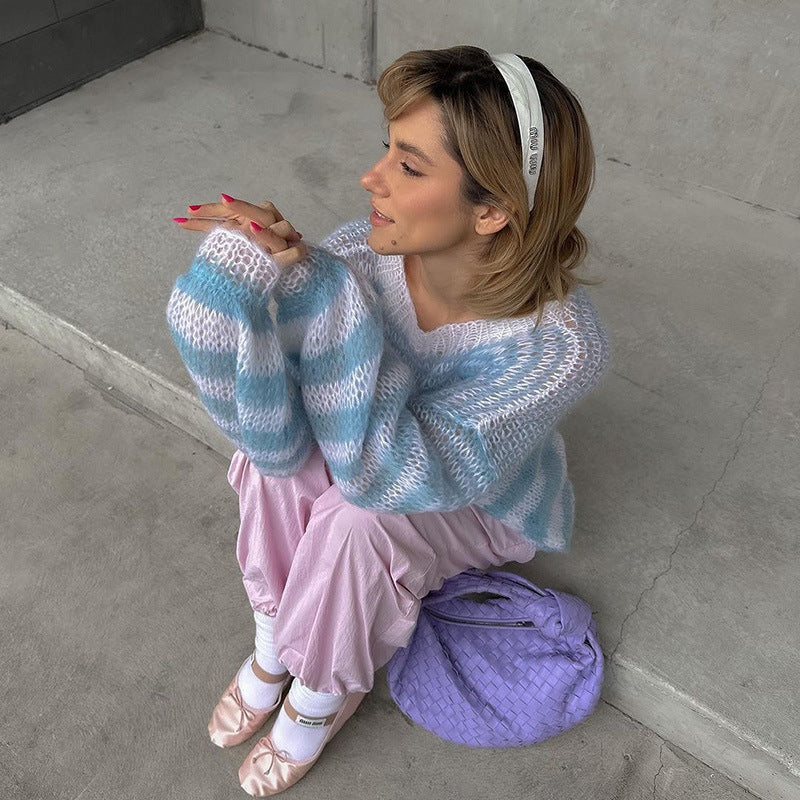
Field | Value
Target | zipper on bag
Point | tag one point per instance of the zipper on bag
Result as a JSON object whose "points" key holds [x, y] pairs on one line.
{"points": [[521, 623]]}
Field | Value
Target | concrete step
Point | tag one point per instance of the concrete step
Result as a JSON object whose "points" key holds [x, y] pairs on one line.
{"points": [[124, 619], [684, 461]]}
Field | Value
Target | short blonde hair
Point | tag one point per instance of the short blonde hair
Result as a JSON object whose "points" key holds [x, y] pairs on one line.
{"points": [[533, 258]]}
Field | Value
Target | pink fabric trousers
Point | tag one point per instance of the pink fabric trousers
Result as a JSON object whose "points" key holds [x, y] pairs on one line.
{"points": [[344, 583]]}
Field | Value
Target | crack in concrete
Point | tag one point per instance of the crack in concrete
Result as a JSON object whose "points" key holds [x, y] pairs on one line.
{"points": [[683, 533], [637, 384], [660, 769]]}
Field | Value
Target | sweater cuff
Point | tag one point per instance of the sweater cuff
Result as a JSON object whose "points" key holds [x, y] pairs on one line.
{"points": [[240, 260]]}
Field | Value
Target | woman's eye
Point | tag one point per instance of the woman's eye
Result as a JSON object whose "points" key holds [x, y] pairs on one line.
{"points": [[405, 166]]}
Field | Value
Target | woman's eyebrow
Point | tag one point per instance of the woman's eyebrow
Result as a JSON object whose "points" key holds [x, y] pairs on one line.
{"points": [[414, 150]]}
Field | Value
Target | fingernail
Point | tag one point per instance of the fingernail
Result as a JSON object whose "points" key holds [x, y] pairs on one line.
{"points": [[194, 208], [226, 197], [179, 219], [256, 227]]}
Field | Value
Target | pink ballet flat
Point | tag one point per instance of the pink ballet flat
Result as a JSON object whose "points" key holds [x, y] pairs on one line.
{"points": [[267, 770], [233, 721]]}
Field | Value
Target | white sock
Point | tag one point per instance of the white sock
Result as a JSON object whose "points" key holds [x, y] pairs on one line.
{"points": [[300, 741], [266, 651], [256, 693]]}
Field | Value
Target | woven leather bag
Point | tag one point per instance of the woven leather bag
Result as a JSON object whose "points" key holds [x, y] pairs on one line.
{"points": [[497, 662]]}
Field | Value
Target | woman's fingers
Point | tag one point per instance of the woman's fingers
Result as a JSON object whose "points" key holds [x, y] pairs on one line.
{"points": [[262, 223], [291, 256], [268, 239], [265, 214], [286, 231], [195, 224], [268, 205], [280, 240]]}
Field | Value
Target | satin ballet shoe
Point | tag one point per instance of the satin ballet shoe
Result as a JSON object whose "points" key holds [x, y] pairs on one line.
{"points": [[267, 770], [233, 721]]}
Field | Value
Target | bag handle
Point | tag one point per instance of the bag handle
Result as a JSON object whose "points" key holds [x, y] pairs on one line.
{"points": [[576, 616]]}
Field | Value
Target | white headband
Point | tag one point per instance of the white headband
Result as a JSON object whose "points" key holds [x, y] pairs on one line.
{"points": [[520, 83]]}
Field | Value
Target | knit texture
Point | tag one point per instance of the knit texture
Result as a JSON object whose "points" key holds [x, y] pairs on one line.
{"points": [[329, 351]]}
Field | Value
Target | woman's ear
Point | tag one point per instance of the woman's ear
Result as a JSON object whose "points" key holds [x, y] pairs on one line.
{"points": [[489, 220]]}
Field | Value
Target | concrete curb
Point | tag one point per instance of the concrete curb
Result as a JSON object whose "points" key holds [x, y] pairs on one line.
{"points": [[112, 369], [711, 738], [645, 697]]}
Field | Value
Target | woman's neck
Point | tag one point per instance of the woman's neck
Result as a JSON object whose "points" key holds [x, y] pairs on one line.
{"points": [[436, 291]]}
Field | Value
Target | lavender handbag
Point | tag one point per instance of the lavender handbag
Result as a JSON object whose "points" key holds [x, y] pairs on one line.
{"points": [[497, 662]]}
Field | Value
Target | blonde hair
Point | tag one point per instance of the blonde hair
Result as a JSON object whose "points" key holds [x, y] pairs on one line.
{"points": [[533, 258]]}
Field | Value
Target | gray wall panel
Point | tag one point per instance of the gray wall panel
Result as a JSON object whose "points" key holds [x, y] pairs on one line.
{"points": [[68, 8], [18, 18], [333, 34], [702, 91], [54, 59]]}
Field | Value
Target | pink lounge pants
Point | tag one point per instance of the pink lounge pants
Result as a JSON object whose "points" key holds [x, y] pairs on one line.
{"points": [[343, 583]]}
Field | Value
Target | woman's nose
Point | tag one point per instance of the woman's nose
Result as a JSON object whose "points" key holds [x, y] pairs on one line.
{"points": [[371, 180]]}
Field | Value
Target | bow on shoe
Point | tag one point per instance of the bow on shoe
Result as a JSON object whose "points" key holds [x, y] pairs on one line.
{"points": [[245, 715], [271, 750]]}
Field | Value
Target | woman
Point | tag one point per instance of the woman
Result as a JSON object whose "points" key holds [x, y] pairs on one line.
{"points": [[395, 417]]}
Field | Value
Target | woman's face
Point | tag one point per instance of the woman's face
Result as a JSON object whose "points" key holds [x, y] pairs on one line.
{"points": [[416, 185]]}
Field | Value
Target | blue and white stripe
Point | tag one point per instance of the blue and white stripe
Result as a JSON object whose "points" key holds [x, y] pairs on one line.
{"points": [[400, 430]]}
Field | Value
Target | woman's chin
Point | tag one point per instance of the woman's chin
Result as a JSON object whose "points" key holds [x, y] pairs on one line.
{"points": [[383, 244]]}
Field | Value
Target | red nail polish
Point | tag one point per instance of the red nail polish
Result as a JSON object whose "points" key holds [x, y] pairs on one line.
{"points": [[179, 219], [194, 208], [256, 227], [227, 198]]}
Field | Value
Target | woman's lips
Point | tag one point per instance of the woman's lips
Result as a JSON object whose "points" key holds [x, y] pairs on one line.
{"points": [[376, 218]]}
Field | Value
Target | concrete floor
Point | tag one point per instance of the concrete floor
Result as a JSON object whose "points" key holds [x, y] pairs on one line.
{"points": [[684, 460], [124, 618]]}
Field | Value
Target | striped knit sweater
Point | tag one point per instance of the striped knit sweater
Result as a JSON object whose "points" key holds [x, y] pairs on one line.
{"points": [[328, 352]]}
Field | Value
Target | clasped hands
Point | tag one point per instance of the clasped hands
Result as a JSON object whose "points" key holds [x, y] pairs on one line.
{"points": [[263, 224]]}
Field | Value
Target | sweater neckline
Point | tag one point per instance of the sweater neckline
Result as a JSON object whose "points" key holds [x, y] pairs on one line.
{"points": [[452, 337]]}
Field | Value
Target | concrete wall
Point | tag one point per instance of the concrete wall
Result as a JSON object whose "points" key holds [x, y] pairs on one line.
{"points": [[702, 91], [333, 34]]}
